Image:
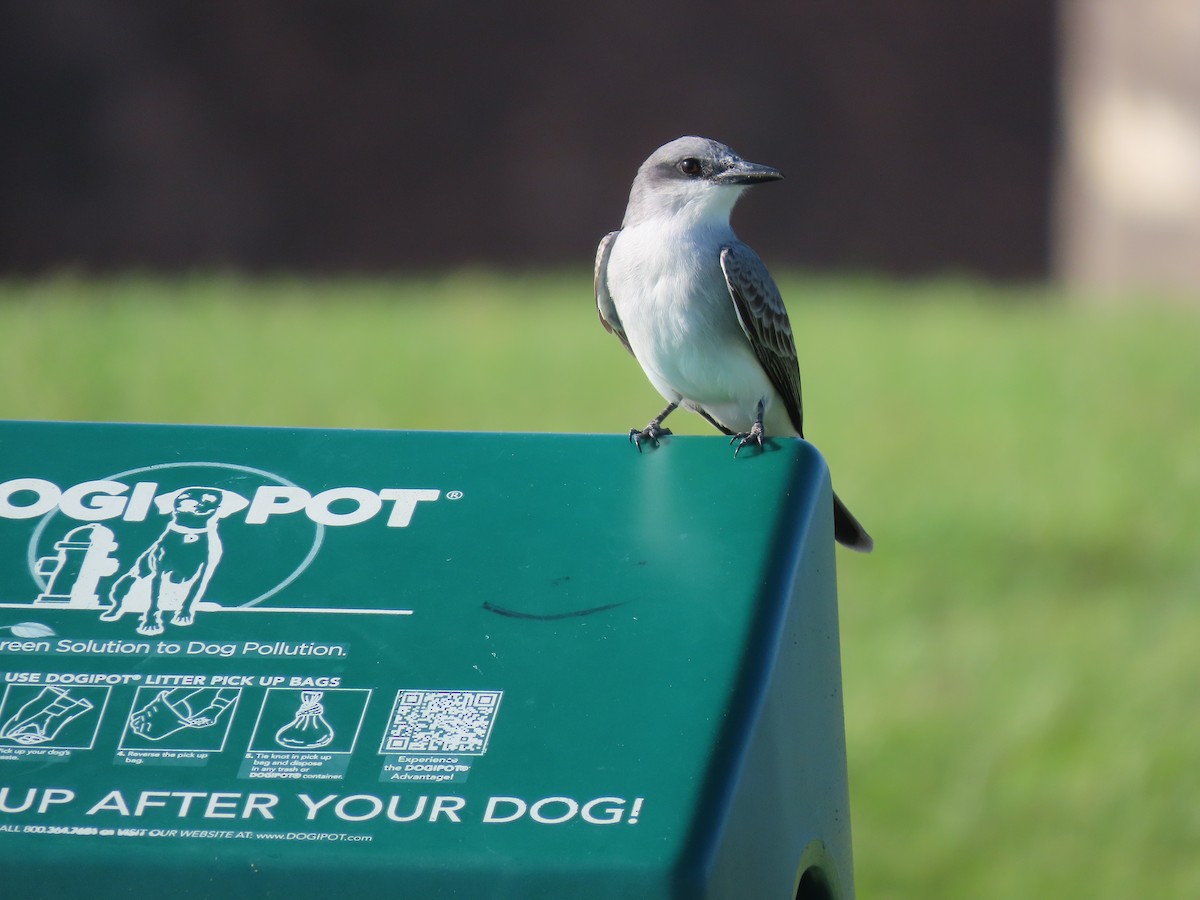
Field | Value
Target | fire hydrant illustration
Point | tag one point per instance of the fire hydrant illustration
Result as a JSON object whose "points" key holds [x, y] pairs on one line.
{"points": [[74, 573]]}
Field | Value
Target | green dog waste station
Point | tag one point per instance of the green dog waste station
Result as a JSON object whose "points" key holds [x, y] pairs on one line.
{"points": [[301, 663]]}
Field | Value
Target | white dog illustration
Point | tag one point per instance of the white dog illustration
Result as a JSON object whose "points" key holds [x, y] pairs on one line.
{"points": [[174, 571]]}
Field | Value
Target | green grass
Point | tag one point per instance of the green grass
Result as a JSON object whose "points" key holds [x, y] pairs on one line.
{"points": [[1021, 653]]}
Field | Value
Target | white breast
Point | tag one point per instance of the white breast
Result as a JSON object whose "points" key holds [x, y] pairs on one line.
{"points": [[675, 307]]}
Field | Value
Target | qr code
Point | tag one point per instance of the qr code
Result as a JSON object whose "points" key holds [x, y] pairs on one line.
{"points": [[442, 722]]}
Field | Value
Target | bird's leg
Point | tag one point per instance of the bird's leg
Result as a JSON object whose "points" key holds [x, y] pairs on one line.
{"points": [[654, 430], [754, 435]]}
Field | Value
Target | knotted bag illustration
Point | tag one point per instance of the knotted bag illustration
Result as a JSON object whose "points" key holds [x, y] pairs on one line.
{"points": [[308, 730]]}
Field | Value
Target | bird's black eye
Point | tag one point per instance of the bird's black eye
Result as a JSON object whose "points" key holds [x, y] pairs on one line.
{"points": [[690, 166]]}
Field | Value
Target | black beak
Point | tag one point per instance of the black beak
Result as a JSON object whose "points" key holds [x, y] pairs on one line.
{"points": [[742, 172]]}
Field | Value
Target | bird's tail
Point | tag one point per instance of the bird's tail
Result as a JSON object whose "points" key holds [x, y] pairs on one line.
{"points": [[846, 529]]}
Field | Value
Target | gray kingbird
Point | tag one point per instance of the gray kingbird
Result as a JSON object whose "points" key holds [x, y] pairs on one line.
{"points": [[698, 309]]}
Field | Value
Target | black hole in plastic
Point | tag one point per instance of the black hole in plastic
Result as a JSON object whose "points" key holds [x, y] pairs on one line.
{"points": [[814, 886]]}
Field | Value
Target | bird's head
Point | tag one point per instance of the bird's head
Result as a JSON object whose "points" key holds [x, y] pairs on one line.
{"points": [[694, 177]]}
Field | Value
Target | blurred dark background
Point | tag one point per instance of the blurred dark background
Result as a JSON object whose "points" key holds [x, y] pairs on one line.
{"points": [[323, 137]]}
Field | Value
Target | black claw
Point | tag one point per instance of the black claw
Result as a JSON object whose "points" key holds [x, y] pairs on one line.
{"points": [[753, 436], [651, 433]]}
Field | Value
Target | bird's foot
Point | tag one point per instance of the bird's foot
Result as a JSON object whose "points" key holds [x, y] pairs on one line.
{"points": [[754, 436], [651, 433]]}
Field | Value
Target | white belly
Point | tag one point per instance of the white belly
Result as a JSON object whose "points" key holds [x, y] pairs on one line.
{"points": [[683, 329]]}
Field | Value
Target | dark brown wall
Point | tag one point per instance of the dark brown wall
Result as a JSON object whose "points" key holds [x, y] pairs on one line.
{"points": [[916, 135]]}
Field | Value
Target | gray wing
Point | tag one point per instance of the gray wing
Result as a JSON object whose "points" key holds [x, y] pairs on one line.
{"points": [[762, 316], [604, 303]]}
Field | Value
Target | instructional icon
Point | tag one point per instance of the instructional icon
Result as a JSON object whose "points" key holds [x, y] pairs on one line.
{"points": [[177, 709], [51, 716], [300, 721], [308, 730]]}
